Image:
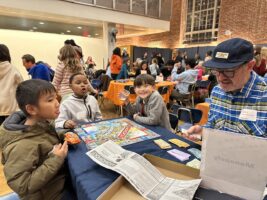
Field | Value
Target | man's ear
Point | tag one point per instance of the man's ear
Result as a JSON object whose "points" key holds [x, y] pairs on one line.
{"points": [[31, 109], [250, 65]]}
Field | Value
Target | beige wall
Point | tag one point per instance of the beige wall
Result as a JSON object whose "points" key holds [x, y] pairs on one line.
{"points": [[45, 47]]}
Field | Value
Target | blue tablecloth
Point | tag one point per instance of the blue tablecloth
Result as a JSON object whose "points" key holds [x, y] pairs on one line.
{"points": [[90, 180]]}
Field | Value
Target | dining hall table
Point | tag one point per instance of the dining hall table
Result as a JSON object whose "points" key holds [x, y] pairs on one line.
{"points": [[115, 87]]}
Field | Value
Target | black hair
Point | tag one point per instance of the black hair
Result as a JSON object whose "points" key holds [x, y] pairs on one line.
{"points": [[209, 53], [29, 58], [191, 62], [70, 42], [170, 63], [143, 79], [4, 53], [117, 51], [142, 63], [91, 66], [73, 76], [30, 91]]}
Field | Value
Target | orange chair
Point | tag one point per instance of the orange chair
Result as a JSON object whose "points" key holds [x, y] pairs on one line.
{"points": [[204, 107]]}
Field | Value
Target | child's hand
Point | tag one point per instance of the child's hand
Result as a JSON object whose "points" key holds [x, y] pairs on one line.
{"points": [[124, 96], [135, 115], [61, 150], [69, 124]]}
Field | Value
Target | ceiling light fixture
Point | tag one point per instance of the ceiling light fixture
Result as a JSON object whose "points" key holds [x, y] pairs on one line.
{"points": [[68, 31], [41, 23], [79, 27], [34, 28], [96, 34], [89, 36]]}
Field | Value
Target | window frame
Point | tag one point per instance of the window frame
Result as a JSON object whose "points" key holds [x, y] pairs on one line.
{"points": [[200, 21]]}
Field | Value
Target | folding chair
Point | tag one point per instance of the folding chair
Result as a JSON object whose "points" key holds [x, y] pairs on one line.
{"points": [[173, 116], [163, 90], [130, 88], [189, 117], [189, 98]]}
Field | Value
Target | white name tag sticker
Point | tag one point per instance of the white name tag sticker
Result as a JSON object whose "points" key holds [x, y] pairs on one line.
{"points": [[248, 115]]}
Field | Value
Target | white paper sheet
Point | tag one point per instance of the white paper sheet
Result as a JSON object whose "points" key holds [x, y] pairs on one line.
{"points": [[146, 179], [234, 163]]}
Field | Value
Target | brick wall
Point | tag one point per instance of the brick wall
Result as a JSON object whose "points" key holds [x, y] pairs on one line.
{"points": [[244, 18]]}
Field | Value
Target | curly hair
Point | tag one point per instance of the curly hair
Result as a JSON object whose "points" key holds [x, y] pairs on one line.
{"points": [[68, 56]]}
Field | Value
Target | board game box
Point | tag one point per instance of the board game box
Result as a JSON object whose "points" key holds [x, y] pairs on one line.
{"points": [[121, 131]]}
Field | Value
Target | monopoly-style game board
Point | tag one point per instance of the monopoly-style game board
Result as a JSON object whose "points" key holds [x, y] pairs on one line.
{"points": [[121, 131]]}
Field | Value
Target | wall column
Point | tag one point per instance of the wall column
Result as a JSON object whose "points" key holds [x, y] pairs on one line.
{"points": [[108, 40]]}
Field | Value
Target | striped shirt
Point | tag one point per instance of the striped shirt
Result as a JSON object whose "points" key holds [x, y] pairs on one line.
{"points": [[61, 80], [225, 108]]}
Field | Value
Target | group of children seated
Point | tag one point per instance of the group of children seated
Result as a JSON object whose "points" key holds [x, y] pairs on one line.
{"points": [[32, 153]]}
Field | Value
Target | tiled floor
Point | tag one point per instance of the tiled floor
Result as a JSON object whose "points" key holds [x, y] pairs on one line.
{"points": [[108, 112]]}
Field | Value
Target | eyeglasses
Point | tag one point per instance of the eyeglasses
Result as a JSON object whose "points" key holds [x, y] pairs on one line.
{"points": [[226, 73]]}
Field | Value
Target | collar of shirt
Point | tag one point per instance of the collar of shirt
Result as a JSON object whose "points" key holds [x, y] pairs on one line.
{"points": [[245, 91]]}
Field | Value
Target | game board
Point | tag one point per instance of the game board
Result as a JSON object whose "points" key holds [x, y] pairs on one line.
{"points": [[121, 131]]}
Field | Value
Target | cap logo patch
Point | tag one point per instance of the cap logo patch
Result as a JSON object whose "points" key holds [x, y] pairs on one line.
{"points": [[222, 55]]}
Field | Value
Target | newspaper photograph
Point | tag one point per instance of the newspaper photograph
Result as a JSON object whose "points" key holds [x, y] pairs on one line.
{"points": [[145, 178]]}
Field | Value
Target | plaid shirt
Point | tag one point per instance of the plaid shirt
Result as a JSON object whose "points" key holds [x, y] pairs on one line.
{"points": [[225, 108]]}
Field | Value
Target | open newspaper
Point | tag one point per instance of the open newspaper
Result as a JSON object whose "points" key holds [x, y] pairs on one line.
{"points": [[146, 179]]}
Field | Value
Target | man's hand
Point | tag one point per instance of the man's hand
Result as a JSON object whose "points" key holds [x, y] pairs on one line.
{"points": [[69, 124], [61, 150], [194, 133]]}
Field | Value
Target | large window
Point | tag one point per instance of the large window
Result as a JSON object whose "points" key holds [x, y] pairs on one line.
{"points": [[160, 9], [202, 21]]}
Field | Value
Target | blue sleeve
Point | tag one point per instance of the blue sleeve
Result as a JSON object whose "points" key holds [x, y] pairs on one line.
{"points": [[42, 72]]}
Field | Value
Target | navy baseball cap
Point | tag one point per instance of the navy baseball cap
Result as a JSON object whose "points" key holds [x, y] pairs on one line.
{"points": [[231, 53]]}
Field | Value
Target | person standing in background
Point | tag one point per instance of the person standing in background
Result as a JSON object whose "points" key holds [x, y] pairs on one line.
{"points": [[9, 80], [115, 63], [68, 65], [259, 64], [36, 71], [90, 61]]}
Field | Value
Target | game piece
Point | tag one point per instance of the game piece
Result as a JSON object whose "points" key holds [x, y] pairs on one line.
{"points": [[162, 144]]}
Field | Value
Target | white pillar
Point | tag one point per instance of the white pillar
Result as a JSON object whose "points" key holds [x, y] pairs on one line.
{"points": [[109, 42]]}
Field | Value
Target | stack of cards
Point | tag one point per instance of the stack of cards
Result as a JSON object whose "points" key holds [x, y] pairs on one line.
{"points": [[195, 152], [179, 143], [194, 163], [162, 144], [182, 156]]}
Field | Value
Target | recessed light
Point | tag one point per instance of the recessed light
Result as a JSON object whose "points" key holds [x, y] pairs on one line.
{"points": [[34, 28], [41, 23], [79, 27], [68, 31], [96, 34]]}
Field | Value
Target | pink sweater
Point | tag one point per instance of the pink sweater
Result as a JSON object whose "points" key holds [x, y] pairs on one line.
{"points": [[61, 80]]}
